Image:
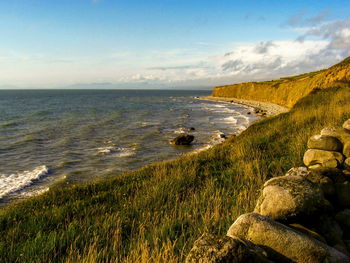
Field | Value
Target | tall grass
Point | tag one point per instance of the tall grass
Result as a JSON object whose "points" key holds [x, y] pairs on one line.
{"points": [[156, 213]]}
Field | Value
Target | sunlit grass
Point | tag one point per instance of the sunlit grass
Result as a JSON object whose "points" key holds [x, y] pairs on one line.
{"points": [[155, 214]]}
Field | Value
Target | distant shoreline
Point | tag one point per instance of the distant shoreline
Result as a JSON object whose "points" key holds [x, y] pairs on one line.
{"points": [[271, 109]]}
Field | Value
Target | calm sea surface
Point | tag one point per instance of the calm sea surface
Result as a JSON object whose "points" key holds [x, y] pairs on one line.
{"points": [[80, 135]]}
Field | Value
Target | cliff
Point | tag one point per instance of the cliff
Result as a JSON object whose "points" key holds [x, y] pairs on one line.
{"points": [[287, 91]]}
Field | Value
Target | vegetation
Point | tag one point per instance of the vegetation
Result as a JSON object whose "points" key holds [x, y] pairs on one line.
{"points": [[287, 91], [156, 213]]}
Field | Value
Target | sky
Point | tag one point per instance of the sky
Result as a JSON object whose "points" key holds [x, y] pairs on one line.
{"points": [[167, 43]]}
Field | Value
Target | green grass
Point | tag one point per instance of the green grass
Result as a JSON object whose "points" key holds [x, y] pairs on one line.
{"points": [[156, 213]]}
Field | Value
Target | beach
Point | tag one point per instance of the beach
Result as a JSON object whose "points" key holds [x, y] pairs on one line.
{"points": [[270, 109]]}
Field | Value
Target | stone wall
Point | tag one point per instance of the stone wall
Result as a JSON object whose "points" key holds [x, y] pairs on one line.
{"points": [[303, 216]]}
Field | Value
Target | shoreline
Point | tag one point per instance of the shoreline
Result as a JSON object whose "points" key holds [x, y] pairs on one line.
{"points": [[268, 109]]}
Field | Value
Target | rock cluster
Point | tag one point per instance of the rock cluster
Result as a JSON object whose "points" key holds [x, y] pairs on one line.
{"points": [[303, 216]]}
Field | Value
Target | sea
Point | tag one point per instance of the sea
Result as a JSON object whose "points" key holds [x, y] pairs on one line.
{"points": [[76, 136]]}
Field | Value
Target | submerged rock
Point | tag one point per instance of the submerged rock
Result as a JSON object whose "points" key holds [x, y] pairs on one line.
{"points": [[288, 197], [183, 139], [323, 142], [288, 243], [212, 249], [320, 158]]}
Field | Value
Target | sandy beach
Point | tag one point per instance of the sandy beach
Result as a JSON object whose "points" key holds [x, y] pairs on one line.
{"points": [[270, 109]]}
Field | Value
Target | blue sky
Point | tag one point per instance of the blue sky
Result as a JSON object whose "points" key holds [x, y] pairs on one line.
{"points": [[53, 43]]}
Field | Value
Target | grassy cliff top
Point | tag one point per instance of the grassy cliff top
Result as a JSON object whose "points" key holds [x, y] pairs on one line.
{"points": [[287, 91]]}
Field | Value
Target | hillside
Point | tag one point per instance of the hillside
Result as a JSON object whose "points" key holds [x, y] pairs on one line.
{"points": [[156, 213], [287, 91]]}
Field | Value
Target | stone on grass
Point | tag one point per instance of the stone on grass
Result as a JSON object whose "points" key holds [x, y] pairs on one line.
{"points": [[183, 139], [327, 159], [323, 142], [346, 149], [289, 243], [342, 134], [211, 249], [287, 197], [308, 232], [317, 176], [346, 125]]}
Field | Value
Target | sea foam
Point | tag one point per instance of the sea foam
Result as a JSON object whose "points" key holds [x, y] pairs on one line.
{"points": [[15, 182]]}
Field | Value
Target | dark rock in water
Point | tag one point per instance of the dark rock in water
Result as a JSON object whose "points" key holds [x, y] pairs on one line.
{"points": [[192, 129], [284, 241], [183, 139], [212, 249], [223, 136], [249, 113]]}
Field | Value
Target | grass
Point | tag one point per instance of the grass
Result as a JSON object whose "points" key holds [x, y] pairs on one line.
{"points": [[156, 213]]}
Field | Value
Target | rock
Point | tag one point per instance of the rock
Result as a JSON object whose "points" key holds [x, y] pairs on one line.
{"points": [[293, 245], [342, 134], [328, 159], [210, 249], [287, 197], [317, 177], [347, 164], [343, 194], [346, 149], [334, 174], [183, 139], [329, 229], [343, 218], [249, 113], [222, 136], [308, 232], [346, 125], [323, 142], [192, 129]]}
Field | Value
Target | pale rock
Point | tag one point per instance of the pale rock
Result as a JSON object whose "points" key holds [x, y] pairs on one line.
{"points": [[293, 245], [287, 197], [323, 142], [327, 159], [212, 249]]}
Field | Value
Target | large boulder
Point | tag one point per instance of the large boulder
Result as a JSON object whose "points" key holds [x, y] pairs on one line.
{"points": [[346, 149], [346, 125], [321, 158], [316, 176], [323, 142], [211, 249], [183, 139], [293, 245], [288, 197]]}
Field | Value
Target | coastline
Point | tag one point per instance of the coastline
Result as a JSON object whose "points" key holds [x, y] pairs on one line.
{"points": [[270, 109]]}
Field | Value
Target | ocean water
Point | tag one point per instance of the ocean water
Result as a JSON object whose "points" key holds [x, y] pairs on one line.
{"points": [[75, 136]]}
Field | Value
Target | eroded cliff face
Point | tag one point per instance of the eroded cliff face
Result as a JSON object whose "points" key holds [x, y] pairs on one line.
{"points": [[287, 91]]}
